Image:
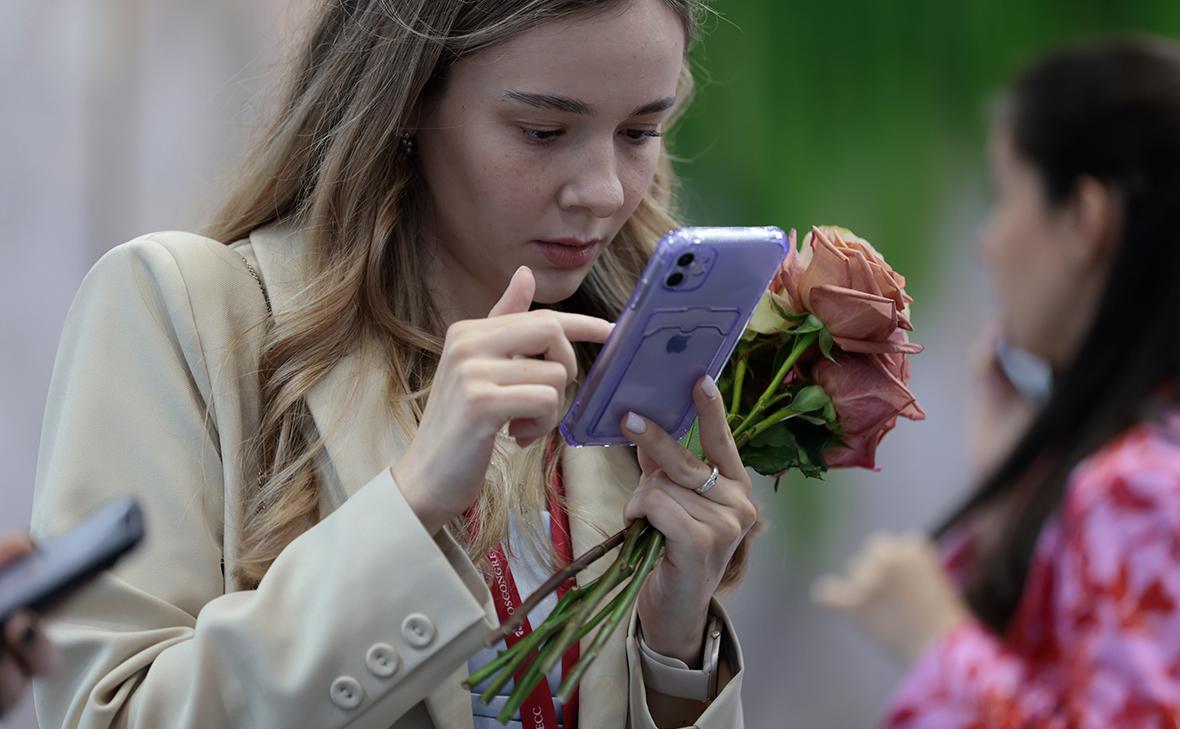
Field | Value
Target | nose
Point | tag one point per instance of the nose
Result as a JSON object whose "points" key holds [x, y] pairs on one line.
{"points": [[594, 183]]}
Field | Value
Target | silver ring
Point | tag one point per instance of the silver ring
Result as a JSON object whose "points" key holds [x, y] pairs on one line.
{"points": [[709, 483]]}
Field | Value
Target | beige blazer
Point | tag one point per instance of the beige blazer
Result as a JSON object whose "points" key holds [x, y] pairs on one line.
{"points": [[364, 621]]}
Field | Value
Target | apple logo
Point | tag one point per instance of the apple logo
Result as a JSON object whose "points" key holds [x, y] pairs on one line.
{"points": [[677, 343]]}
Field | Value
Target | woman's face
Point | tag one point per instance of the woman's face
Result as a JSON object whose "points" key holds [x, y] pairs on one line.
{"points": [[1041, 257], [538, 150]]}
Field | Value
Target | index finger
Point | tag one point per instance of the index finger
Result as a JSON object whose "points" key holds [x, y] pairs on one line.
{"points": [[584, 328], [716, 437]]}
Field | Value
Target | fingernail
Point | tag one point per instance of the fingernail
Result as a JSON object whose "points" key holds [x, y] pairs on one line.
{"points": [[709, 387], [635, 423]]}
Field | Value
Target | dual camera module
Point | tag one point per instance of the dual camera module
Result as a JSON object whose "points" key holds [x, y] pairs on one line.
{"points": [[677, 277]]}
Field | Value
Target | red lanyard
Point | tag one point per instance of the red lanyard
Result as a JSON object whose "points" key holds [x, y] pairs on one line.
{"points": [[537, 711]]}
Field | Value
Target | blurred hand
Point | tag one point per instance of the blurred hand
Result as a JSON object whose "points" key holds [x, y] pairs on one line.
{"points": [[896, 591], [24, 650], [997, 414], [489, 375], [702, 530]]}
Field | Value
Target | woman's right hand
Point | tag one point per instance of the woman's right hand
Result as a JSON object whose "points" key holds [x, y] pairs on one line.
{"points": [[510, 368], [997, 414], [24, 650]]}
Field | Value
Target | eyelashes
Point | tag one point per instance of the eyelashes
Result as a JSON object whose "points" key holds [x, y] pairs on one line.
{"points": [[634, 136]]}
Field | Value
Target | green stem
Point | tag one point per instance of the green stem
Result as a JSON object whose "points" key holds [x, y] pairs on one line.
{"points": [[802, 343], [654, 547], [508, 661], [739, 376], [614, 575], [533, 675], [776, 417]]}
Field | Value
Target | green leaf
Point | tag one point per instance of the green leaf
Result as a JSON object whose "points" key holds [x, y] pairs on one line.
{"points": [[826, 343], [810, 324], [772, 451], [813, 441], [810, 399], [778, 309]]}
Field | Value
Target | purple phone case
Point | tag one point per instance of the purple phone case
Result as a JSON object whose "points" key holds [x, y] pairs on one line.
{"points": [[669, 336]]}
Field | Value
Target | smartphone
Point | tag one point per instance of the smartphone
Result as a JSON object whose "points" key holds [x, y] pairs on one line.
{"points": [[682, 321], [65, 562]]}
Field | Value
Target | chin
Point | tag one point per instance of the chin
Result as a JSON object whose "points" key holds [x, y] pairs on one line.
{"points": [[557, 286]]}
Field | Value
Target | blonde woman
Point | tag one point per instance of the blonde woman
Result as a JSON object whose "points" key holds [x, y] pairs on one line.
{"points": [[339, 404]]}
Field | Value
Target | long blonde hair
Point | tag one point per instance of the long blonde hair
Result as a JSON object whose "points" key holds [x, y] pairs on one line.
{"points": [[332, 161]]}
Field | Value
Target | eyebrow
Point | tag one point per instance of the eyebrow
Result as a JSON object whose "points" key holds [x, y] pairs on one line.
{"points": [[574, 106]]}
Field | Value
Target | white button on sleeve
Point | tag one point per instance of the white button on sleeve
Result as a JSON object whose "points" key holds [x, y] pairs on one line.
{"points": [[382, 660], [347, 693], [418, 630]]}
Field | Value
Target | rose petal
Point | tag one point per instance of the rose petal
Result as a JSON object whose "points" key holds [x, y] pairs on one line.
{"points": [[864, 346], [860, 453], [860, 273], [864, 392], [852, 314], [827, 267]]}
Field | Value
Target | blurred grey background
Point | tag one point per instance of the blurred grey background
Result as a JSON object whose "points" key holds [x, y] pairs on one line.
{"points": [[121, 117]]}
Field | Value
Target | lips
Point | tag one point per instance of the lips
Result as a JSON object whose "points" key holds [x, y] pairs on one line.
{"points": [[569, 252]]}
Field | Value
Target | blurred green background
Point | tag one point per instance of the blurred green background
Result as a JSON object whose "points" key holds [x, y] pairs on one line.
{"points": [[864, 112], [867, 114]]}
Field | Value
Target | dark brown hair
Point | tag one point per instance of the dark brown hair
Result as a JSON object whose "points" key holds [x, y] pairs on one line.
{"points": [[1109, 111]]}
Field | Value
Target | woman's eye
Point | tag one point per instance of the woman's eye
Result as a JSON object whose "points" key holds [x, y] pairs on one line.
{"points": [[540, 136], [639, 136]]}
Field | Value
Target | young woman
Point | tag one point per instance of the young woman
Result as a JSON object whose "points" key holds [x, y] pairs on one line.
{"points": [[338, 405], [1066, 612]]}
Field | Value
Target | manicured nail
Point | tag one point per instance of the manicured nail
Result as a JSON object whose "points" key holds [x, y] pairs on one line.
{"points": [[709, 387], [635, 423]]}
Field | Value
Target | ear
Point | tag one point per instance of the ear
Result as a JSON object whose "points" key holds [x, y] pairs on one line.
{"points": [[1094, 219]]}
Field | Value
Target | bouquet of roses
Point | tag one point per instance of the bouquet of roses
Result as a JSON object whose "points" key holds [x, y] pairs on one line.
{"points": [[817, 380]]}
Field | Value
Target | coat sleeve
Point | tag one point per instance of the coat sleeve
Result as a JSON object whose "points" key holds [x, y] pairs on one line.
{"points": [[357, 621], [723, 712]]}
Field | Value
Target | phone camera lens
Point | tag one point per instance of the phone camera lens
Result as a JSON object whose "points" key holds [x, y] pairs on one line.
{"points": [[675, 279], [684, 260]]}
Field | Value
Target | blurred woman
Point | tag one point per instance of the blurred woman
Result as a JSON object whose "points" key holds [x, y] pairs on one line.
{"points": [[1060, 602]]}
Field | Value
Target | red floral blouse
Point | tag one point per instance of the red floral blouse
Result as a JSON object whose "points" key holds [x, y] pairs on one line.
{"points": [[1096, 638]]}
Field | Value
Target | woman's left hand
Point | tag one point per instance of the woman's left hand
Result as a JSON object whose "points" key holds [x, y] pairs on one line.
{"points": [[896, 589], [702, 529]]}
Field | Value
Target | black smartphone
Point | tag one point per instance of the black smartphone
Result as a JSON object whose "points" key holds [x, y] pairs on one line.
{"points": [[67, 561]]}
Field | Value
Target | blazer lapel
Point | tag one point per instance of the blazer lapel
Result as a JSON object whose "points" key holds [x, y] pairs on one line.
{"points": [[352, 413], [598, 482]]}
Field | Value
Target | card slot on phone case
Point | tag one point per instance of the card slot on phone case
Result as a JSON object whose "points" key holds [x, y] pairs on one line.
{"points": [[695, 347], [720, 318]]}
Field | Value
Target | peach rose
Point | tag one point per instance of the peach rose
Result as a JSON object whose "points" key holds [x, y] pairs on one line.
{"points": [[869, 393], [842, 279]]}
